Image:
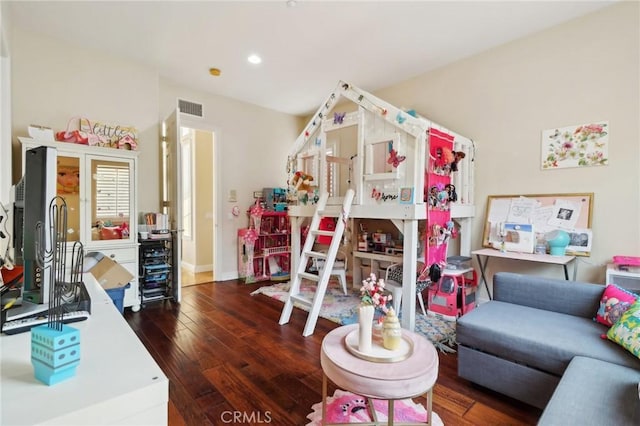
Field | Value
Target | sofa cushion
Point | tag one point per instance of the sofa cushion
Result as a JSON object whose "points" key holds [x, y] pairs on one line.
{"points": [[614, 302], [538, 338], [626, 332], [566, 297], [594, 392]]}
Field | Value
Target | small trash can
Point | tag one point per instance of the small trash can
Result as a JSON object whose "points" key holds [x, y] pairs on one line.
{"points": [[117, 296]]}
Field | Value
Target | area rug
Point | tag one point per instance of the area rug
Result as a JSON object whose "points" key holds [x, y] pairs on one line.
{"points": [[347, 407], [342, 309]]}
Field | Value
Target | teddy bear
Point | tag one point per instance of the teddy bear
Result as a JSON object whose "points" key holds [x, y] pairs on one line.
{"points": [[301, 181]]}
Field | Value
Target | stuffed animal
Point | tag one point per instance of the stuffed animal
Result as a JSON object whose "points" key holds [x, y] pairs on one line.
{"points": [[302, 181]]}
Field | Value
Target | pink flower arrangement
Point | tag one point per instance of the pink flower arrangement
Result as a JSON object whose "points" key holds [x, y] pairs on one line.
{"points": [[373, 293]]}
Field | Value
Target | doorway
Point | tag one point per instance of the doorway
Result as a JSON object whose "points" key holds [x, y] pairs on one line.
{"points": [[197, 146], [200, 205]]}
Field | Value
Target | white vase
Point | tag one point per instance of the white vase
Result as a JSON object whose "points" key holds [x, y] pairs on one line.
{"points": [[365, 327]]}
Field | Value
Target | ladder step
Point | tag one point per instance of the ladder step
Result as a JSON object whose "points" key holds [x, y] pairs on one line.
{"points": [[329, 212], [311, 277], [317, 254], [324, 233], [297, 298]]}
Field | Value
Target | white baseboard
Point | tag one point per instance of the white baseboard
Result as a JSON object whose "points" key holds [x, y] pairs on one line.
{"points": [[194, 269], [203, 268]]}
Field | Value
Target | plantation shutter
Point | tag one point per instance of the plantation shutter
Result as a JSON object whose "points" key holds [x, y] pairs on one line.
{"points": [[112, 191]]}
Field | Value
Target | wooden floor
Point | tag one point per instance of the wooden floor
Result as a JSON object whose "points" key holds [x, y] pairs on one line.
{"points": [[227, 358], [192, 278]]}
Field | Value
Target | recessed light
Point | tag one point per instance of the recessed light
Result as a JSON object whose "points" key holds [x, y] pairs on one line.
{"points": [[215, 72], [291, 3], [254, 59]]}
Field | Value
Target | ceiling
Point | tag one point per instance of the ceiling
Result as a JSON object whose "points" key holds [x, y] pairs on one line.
{"points": [[306, 49]]}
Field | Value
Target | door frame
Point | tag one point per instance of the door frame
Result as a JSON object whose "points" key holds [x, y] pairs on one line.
{"points": [[191, 122]]}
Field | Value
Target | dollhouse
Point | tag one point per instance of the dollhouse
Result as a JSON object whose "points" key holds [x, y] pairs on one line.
{"points": [[372, 160]]}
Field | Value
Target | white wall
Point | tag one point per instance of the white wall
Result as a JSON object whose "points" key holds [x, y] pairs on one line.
{"points": [[252, 144], [582, 71]]}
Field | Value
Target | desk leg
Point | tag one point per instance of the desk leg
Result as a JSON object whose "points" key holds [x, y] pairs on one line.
{"points": [[482, 269], [391, 414]]}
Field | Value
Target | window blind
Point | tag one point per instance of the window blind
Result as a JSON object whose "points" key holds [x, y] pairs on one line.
{"points": [[112, 191]]}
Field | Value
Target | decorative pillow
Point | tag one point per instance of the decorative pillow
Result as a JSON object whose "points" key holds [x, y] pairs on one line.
{"points": [[626, 332], [614, 302]]}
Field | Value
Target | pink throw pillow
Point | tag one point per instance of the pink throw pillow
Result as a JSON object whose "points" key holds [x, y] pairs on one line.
{"points": [[614, 302]]}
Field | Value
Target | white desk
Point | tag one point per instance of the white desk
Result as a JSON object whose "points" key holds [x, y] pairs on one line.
{"points": [[375, 259], [116, 382], [529, 257]]}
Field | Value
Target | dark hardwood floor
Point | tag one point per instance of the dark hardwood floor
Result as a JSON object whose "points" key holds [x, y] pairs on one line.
{"points": [[227, 358]]}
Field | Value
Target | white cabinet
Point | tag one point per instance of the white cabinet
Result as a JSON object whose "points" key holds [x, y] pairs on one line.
{"points": [[623, 278], [99, 186]]}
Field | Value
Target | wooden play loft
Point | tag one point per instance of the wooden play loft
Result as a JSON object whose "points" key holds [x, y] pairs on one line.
{"points": [[359, 143]]}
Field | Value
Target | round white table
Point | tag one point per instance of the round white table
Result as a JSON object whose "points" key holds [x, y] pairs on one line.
{"points": [[411, 377]]}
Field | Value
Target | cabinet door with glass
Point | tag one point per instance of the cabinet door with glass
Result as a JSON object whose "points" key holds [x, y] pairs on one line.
{"points": [[110, 199], [69, 185], [99, 188]]}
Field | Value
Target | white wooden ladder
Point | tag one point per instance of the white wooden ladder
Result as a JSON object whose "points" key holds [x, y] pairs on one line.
{"points": [[322, 278]]}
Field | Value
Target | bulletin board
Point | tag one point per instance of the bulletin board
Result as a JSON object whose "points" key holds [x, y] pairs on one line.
{"points": [[547, 212]]}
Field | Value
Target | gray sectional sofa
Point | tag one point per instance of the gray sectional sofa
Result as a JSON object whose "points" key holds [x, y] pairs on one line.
{"points": [[537, 342]]}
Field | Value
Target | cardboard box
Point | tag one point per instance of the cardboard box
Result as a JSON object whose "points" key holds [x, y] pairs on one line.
{"points": [[107, 272]]}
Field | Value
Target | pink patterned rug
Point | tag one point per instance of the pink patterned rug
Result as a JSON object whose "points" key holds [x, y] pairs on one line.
{"points": [[347, 407]]}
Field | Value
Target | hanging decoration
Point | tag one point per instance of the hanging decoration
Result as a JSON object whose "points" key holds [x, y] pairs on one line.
{"points": [[394, 158], [338, 117]]}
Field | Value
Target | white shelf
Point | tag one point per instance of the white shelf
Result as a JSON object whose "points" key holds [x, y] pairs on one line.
{"points": [[625, 279]]}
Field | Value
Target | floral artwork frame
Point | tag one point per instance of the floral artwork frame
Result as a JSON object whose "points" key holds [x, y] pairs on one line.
{"points": [[576, 146]]}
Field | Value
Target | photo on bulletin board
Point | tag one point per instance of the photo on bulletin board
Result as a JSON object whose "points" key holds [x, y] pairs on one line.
{"points": [[547, 212]]}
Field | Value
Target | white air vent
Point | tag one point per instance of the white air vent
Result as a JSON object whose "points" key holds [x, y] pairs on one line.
{"points": [[190, 108]]}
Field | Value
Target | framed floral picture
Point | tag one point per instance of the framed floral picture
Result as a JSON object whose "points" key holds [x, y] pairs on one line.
{"points": [[576, 146]]}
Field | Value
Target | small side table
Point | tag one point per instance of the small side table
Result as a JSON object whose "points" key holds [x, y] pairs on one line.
{"points": [[412, 377]]}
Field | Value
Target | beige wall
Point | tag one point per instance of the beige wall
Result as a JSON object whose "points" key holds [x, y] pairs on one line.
{"points": [[583, 71], [252, 144], [5, 108], [53, 81]]}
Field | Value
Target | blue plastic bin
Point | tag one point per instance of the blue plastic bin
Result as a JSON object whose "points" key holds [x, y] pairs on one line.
{"points": [[117, 296]]}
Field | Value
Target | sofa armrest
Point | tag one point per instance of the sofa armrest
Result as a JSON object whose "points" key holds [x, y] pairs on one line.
{"points": [[567, 297]]}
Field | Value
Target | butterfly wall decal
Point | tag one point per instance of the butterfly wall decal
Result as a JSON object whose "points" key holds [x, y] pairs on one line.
{"points": [[395, 159], [338, 117]]}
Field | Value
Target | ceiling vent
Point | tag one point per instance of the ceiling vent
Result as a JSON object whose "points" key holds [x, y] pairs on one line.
{"points": [[190, 108]]}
